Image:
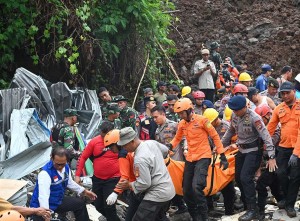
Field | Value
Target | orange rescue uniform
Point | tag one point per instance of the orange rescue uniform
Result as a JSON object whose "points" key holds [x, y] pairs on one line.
{"points": [[289, 120], [196, 132]]}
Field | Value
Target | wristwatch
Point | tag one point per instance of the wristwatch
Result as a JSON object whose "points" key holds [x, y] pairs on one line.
{"points": [[272, 157]]}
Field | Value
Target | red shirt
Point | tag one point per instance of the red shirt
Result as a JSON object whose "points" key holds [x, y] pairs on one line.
{"points": [[106, 166]]}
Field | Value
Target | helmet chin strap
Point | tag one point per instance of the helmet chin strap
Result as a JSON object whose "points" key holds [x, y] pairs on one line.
{"points": [[188, 112]]}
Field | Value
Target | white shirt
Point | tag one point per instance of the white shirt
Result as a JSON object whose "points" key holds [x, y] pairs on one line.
{"points": [[44, 181], [206, 80]]}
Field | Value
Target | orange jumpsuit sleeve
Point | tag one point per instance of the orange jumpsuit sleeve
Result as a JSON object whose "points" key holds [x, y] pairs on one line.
{"points": [[214, 136], [272, 125], [125, 168], [178, 136], [296, 150]]}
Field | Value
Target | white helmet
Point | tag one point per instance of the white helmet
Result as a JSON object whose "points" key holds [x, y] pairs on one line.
{"points": [[297, 78]]}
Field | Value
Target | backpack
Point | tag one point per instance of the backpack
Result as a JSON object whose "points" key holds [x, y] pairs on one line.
{"points": [[55, 131]]}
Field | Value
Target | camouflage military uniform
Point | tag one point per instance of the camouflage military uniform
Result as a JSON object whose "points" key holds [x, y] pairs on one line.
{"points": [[128, 117], [165, 133], [275, 98], [104, 109], [117, 123], [172, 116], [216, 58], [68, 140]]}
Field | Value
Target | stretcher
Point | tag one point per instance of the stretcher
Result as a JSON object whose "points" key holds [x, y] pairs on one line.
{"points": [[216, 180]]}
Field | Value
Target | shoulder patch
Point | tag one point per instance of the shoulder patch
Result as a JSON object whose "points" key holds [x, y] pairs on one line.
{"points": [[258, 124]]}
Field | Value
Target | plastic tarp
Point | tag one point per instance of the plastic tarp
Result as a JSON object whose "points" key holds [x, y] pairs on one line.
{"points": [[40, 96], [26, 130], [26, 162]]}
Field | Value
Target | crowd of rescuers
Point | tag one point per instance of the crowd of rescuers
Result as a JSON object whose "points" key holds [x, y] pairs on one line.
{"points": [[157, 155]]}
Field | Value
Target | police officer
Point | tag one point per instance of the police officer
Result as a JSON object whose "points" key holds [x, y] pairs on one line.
{"points": [[146, 127], [128, 115], [171, 115], [287, 114], [272, 91], [248, 126], [196, 130], [113, 112]]}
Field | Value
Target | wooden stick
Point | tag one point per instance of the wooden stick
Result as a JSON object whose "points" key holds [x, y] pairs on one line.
{"points": [[170, 63], [168, 12], [138, 88]]}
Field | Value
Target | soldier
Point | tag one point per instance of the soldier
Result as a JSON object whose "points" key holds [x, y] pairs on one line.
{"points": [[164, 134], [66, 134], [105, 98], [128, 115], [287, 114], [199, 97], [215, 55], [248, 126], [146, 127], [272, 91], [113, 112], [221, 127], [170, 114]]}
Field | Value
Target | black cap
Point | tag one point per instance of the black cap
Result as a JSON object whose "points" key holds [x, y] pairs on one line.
{"points": [[252, 91], [147, 99], [273, 82], [161, 83], [174, 87], [222, 90], [286, 86]]}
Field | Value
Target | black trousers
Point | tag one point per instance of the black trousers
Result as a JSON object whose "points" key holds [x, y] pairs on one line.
{"points": [[151, 211], [134, 202], [74, 204], [289, 177], [267, 179], [194, 181], [209, 94], [103, 188], [245, 167], [228, 193]]}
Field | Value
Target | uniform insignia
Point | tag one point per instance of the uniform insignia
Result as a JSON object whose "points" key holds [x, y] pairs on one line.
{"points": [[137, 123], [247, 119], [55, 178], [136, 171], [258, 124], [147, 122]]}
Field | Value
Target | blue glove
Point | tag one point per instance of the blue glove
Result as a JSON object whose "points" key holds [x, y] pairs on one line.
{"points": [[223, 161], [293, 160]]}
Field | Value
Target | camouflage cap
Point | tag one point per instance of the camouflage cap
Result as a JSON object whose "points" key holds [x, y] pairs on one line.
{"points": [[120, 98], [70, 113], [112, 108], [273, 82]]}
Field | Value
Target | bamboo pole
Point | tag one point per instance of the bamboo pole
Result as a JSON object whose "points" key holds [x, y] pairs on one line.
{"points": [[138, 88]]}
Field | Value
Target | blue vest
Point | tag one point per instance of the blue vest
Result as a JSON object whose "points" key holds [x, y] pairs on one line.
{"points": [[57, 188]]}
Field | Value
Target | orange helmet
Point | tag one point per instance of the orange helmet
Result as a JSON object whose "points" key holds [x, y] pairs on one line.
{"points": [[112, 137], [183, 104], [263, 110], [11, 215], [198, 94], [240, 88]]}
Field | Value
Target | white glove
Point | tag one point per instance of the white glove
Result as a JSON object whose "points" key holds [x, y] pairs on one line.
{"points": [[112, 198]]}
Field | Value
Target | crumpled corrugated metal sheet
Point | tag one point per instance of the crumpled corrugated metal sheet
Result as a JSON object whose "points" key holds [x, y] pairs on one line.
{"points": [[26, 162]]}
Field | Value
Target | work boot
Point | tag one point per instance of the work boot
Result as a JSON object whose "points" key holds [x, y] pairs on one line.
{"points": [[290, 211], [261, 215], [250, 214], [181, 209], [281, 204], [204, 217]]}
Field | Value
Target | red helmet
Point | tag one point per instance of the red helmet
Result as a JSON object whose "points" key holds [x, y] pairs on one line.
{"points": [[263, 110], [240, 88], [198, 94]]}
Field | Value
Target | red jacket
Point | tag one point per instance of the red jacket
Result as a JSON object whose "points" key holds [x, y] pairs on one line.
{"points": [[106, 166]]}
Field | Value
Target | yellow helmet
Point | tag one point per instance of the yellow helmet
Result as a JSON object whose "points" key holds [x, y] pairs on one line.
{"points": [[112, 137], [227, 113], [211, 114], [245, 77], [183, 104], [186, 90]]}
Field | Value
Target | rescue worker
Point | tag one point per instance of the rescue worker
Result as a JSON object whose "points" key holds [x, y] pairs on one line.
{"points": [[106, 171], [128, 115], [272, 91], [248, 126], [160, 96], [185, 91], [66, 135], [262, 80], [105, 97], [268, 179], [145, 124], [240, 89], [287, 114], [11, 215], [196, 130], [258, 99], [153, 181], [51, 184], [171, 115], [112, 112], [221, 127], [286, 75], [245, 79], [165, 132], [199, 97]]}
